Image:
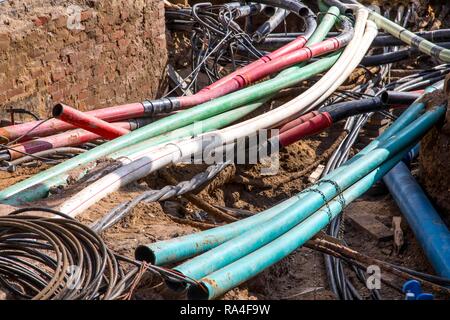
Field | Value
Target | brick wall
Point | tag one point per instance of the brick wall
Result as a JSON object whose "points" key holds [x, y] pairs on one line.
{"points": [[93, 55]]}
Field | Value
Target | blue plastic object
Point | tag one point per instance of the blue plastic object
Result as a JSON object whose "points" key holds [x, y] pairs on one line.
{"points": [[428, 227], [413, 291]]}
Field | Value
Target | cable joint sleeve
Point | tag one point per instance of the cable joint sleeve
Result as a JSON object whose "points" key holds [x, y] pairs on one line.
{"points": [[241, 80], [164, 105], [298, 121], [310, 127]]}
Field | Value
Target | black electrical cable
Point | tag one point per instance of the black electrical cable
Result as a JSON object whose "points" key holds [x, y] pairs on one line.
{"points": [[398, 98], [57, 257], [23, 111], [270, 25], [433, 36], [396, 56], [386, 100]]}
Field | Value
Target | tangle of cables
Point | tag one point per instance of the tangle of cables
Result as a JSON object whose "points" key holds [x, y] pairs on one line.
{"points": [[217, 40], [43, 258]]}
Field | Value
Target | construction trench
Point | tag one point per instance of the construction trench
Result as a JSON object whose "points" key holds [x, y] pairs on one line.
{"points": [[247, 150]]}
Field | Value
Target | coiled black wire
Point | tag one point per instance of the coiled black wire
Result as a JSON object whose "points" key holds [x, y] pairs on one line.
{"points": [[55, 258]]}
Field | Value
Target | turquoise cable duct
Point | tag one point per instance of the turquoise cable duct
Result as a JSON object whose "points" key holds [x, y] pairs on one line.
{"points": [[216, 284], [174, 250], [250, 265], [311, 200]]}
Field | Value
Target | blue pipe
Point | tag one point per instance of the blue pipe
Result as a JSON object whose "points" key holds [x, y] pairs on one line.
{"points": [[219, 282], [310, 201], [428, 227]]}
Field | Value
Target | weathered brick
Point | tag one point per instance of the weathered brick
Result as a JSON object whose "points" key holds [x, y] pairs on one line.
{"points": [[123, 43], [104, 64]]}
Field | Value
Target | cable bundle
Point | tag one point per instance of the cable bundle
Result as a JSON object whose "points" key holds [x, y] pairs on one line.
{"points": [[47, 259]]}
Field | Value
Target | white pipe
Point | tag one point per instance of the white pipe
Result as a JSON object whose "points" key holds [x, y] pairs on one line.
{"points": [[371, 30], [174, 152]]}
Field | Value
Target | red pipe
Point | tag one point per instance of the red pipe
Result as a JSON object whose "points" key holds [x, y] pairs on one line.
{"points": [[314, 125], [245, 76], [87, 122], [298, 121], [136, 110], [296, 44], [227, 84], [65, 139], [287, 60], [50, 127]]}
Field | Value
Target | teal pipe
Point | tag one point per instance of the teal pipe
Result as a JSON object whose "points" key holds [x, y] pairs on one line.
{"points": [[216, 122], [241, 270], [309, 202], [178, 249], [216, 284], [174, 250]]}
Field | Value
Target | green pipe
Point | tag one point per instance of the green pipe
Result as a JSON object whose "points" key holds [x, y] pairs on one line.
{"points": [[200, 112], [310, 201], [181, 248], [328, 21], [174, 250], [222, 120], [216, 122], [410, 38], [216, 284], [403, 34]]}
